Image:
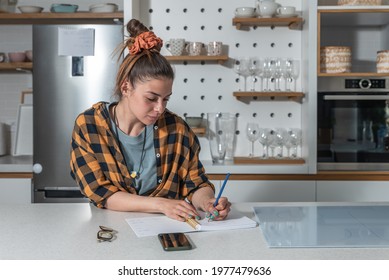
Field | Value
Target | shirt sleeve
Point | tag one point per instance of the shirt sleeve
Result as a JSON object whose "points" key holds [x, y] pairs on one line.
{"points": [[86, 168]]}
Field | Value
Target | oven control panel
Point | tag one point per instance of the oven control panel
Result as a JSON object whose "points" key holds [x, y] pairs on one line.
{"points": [[365, 83]]}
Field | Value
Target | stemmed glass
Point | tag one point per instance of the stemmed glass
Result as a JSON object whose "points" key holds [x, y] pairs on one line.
{"points": [[295, 71], [255, 70], [267, 73], [295, 139], [252, 132], [275, 66], [241, 67], [265, 139]]}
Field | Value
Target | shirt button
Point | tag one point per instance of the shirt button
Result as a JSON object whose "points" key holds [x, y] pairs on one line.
{"points": [[156, 127], [159, 181], [158, 155]]}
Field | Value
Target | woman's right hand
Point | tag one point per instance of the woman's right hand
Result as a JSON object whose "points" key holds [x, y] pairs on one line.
{"points": [[179, 209]]}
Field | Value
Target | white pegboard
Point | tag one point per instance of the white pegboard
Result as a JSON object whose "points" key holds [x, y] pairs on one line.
{"points": [[200, 88]]}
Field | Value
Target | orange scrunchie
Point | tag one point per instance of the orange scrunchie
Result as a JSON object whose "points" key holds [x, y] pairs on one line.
{"points": [[145, 41]]}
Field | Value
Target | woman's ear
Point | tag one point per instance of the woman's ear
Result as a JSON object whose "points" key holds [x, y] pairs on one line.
{"points": [[126, 88]]}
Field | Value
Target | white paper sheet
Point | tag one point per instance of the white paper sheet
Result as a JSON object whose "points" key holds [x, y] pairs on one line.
{"points": [[152, 226]]}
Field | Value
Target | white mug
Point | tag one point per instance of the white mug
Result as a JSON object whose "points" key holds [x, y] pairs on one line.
{"points": [[286, 10], [214, 48], [194, 48], [176, 46]]}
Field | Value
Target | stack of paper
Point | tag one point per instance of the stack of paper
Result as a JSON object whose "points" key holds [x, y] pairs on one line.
{"points": [[152, 226]]}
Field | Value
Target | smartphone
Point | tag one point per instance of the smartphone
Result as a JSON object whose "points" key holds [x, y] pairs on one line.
{"points": [[174, 241]]}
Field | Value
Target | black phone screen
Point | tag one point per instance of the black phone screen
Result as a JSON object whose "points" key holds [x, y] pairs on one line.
{"points": [[174, 241]]}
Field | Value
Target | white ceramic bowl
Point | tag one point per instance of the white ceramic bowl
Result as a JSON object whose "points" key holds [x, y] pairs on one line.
{"points": [[30, 9], [244, 12], [103, 8], [17, 56]]}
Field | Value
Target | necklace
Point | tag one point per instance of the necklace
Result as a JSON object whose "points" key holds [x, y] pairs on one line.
{"points": [[134, 174]]}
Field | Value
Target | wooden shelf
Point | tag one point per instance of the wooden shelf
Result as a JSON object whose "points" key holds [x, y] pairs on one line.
{"points": [[219, 59], [291, 23], [258, 160], [354, 74], [291, 95], [16, 66], [58, 18]]}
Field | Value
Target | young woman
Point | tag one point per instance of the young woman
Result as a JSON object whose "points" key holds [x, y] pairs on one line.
{"points": [[136, 155]]}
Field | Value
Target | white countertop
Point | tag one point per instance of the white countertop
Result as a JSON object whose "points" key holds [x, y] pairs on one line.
{"points": [[15, 164], [68, 231]]}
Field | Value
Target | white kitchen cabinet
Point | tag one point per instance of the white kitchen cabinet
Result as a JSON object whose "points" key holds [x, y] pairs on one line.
{"points": [[15, 190], [359, 191], [268, 191]]}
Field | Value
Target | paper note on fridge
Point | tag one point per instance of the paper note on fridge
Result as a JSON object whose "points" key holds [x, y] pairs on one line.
{"points": [[152, 226], [76, 41]]}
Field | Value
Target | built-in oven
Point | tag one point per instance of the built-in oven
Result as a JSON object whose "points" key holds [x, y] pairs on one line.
{"points": [[353, 116]]}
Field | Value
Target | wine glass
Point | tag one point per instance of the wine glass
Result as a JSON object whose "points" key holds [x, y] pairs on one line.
{"points": [[241, 67], [255, 70], [252, 132], [295, 140], [266, 73], [275, 66], [265, 140], [295, 71]]}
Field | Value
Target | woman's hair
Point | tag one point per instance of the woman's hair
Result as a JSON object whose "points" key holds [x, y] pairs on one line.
{"points": [[144, 60]]}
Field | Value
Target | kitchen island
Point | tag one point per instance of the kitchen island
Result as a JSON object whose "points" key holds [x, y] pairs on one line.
{"points": [[68, 231]]}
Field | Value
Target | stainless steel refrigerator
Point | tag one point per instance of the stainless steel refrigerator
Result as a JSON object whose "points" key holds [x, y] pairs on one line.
{"points": [[74, 67]]}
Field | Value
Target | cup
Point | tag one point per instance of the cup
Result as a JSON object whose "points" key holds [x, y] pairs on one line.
{"points": [[176, 46], [244, 12], [286, 10], [194, 48], [214, 48], [221, 133]]}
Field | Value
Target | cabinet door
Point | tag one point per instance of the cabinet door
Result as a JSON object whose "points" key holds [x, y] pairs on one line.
{"points": [[364, 191], [15, 190], [269, 191]]}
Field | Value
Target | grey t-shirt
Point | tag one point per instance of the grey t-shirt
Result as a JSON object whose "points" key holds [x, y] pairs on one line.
{"points": [[132, 151]]}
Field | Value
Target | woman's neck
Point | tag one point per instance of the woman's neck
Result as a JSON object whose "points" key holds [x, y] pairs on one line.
{"points": [[126, 121]]}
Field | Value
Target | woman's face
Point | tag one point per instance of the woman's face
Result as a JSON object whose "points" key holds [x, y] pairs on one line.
{"points": [[147, 100]]}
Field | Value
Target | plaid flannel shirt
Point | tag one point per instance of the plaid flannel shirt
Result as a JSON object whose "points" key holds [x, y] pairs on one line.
{"points": [[98, 165]]}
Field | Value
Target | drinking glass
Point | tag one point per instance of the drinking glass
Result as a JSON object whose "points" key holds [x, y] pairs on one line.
{"points": [[295, 72], [280, 139], [288, 73], [275, 66], [252, 132], [241, 67], [266, 73], [265, 140], [255, 70], [295, 141]]}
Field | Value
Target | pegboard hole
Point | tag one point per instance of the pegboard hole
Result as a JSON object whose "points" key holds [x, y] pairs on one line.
{"points": [[185, 97], [272, 115], [290, 115], [202, 97], [185, 10], [254, 115], [290, 45], [220, 97], [237, 45], [272, 45], [185, 80], [167, 10], [150, 11], [220, 27], [202, 10], [220, 10]]}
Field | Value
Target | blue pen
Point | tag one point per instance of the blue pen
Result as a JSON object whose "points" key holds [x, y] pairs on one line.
{"points": [[221, 190]]}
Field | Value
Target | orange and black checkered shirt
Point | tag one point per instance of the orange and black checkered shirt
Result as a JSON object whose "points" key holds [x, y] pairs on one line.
{"points": [[98, 165]]}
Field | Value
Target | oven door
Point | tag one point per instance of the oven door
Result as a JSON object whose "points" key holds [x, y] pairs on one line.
{"points": [[351, 130]]}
